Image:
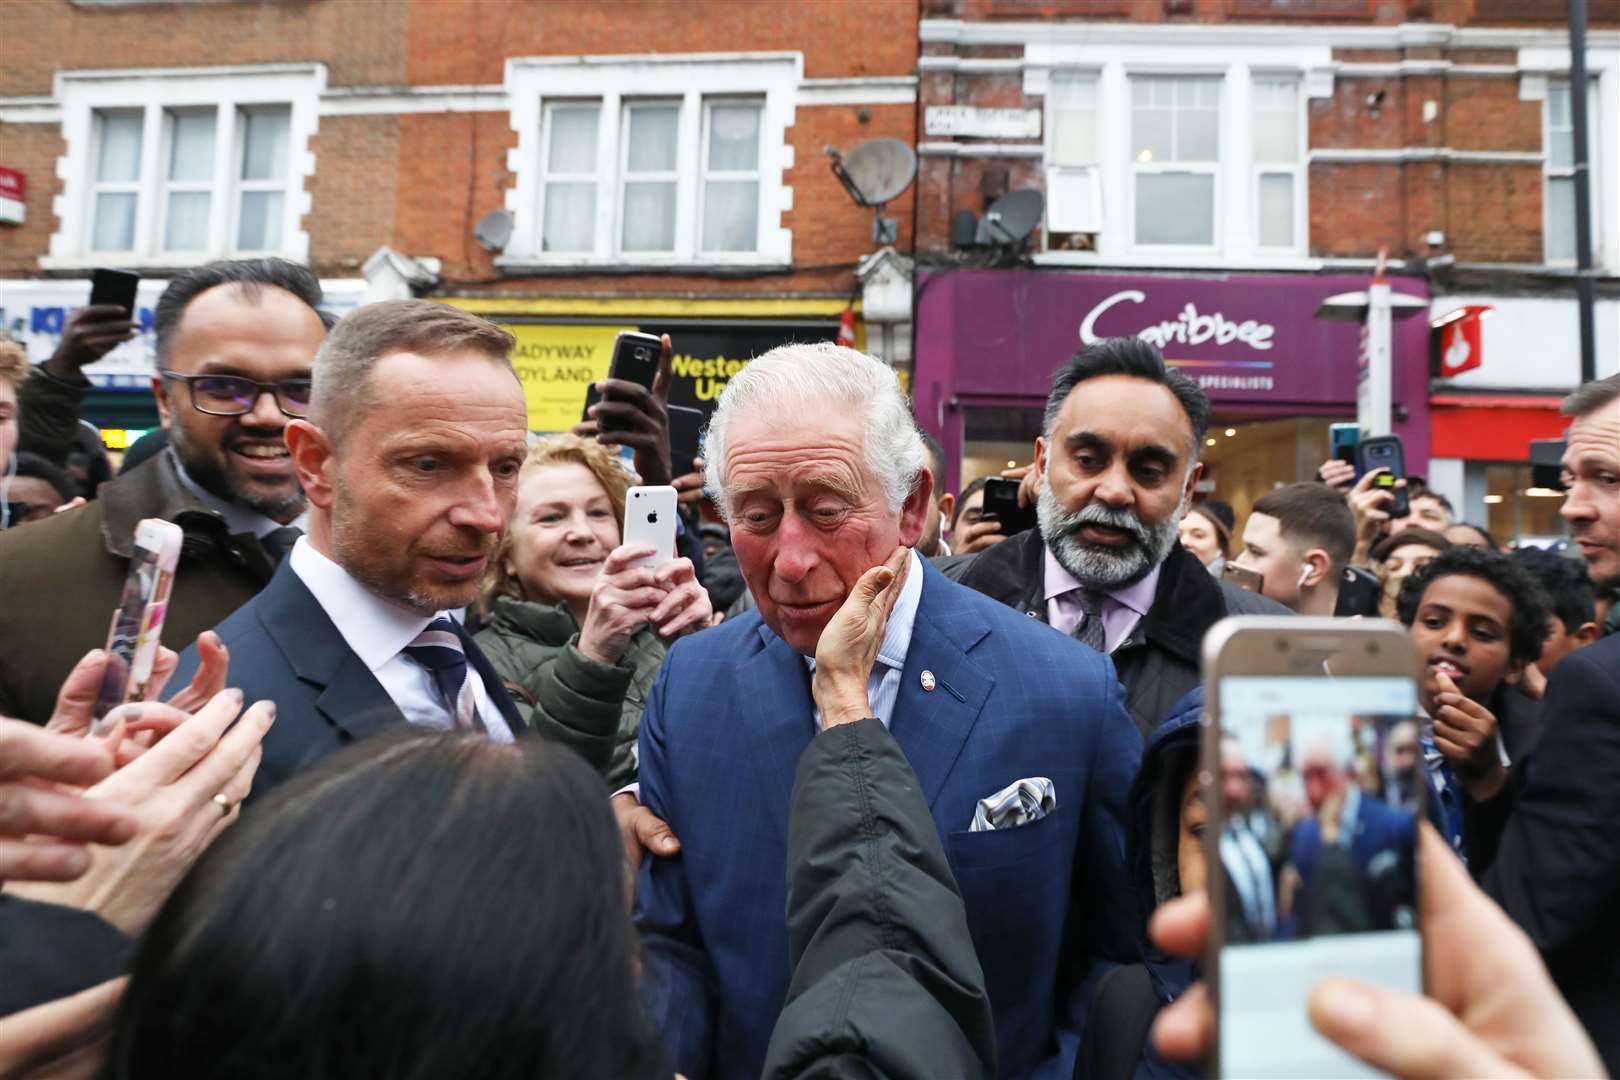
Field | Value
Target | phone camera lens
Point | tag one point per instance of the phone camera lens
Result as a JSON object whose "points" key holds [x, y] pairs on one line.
{"points": [[1372, 648]]}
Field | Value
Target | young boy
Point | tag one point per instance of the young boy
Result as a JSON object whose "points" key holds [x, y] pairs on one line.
{"points": [[1477, 619], [1573, 623]]}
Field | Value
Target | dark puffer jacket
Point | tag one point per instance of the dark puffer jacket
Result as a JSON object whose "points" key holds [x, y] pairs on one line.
{"points": [[1129, 997], [1158, 662], [535, 649]]}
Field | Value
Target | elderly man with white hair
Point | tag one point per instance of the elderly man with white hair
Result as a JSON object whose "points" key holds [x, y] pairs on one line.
{"points": [[1018, 734]]}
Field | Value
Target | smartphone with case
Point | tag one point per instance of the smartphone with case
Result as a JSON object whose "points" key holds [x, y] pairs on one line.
{"points": [[635, 359], [115, 287], [1001, 504], [685, 437], [1313, 788], [1242, 576], [1342, 442], [1385, 452], [649, 521], [137, 624]]}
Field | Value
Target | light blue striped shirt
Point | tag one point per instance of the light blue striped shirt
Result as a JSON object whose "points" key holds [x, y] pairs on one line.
{"points": [[883, 687]]}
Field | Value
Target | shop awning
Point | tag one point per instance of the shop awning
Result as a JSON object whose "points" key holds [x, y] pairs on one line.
{"points": [[1491, 427]]}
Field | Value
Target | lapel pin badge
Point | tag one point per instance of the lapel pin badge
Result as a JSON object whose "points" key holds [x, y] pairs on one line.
{"points": [[928, 682]]}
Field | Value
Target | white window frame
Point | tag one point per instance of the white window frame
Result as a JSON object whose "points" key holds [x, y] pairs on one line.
{"points": [[1086, 219], [773, 79], [173, 187], [1212, 169], [238, 186], [1549, 173], [548, 176], [677, 176], [99, 187], [1298, 170], [154, 92], [705, 174]]}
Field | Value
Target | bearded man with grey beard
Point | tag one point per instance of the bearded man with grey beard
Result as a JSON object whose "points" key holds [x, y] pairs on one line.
{"points": [[1117, 461]]}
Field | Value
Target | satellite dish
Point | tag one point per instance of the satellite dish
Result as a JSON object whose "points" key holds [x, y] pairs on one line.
{"points": [[875, 172], [1011, 218], [494, 230]]}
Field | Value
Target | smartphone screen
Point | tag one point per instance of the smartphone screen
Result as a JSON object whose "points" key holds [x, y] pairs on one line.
{"points": [[1320, 782]]}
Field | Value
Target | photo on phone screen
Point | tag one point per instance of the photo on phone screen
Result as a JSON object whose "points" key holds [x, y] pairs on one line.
{"points": [[1320, 783], [137, 624]]}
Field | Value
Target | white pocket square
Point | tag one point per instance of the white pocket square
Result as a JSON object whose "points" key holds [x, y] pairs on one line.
{"points": [[1019, 803]]}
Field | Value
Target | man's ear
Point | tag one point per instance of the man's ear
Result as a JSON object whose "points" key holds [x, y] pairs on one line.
{"points": [[914, 511], [1586, 634], [1040, 455], [313, 460], [159, 392], [947, 510], [1321, 566], [1193, 476]]}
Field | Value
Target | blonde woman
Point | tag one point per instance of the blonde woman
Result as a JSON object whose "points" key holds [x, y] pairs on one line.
{"points": [[572, 629]]}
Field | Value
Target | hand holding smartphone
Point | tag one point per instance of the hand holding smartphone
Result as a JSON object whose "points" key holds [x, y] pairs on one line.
{"points": [[1385, 452], [1001, 504], [137, 624], [635, 359], [649, 521], [1314, 794]]}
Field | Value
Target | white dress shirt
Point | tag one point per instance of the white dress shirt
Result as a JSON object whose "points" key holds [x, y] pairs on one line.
{"points": [[238, 518], [378, 631], [883, 685]]}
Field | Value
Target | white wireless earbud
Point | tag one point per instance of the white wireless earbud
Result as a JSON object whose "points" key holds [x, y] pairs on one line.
{"points": [[1304, 572]]}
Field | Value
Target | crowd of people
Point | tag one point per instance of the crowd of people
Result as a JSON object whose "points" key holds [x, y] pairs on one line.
{"points": [[437, 776]]}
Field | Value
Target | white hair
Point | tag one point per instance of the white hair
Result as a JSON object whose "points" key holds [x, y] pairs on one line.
{"points": [[823, 379]]}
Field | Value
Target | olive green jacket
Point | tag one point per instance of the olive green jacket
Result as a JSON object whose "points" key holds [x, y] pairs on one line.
{"points": [[535, 649]]}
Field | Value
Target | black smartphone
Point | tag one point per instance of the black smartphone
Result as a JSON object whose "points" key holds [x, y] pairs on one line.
{"points": [[1359, 592], [115, 287], [1342, 442], [685, 434], [1385, 452], [635, 359], [1001, 504]]}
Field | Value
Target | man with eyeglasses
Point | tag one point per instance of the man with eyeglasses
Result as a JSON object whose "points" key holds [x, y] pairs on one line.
{"points": [[235, 342]]}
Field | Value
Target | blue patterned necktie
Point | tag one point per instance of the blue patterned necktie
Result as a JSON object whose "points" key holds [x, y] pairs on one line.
{"points": [[439, 649]]}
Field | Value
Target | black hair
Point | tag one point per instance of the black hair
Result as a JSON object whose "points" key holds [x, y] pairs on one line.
{"points": [[1527, 604], [967, 493], [31, 464], [936, 457], [249, 275], [418, 905], [1138, 359], [1313, 515], [1222, 509], [1566, 583]]}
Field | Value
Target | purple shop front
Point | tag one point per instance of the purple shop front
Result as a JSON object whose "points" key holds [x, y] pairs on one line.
{"points": [[992, 338]]}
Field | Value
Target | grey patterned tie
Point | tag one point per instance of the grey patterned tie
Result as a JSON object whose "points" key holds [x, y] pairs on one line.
{"points": [[1090, 629]]}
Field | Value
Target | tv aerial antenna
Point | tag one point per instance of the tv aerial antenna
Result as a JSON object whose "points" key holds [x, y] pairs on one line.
{"points": [[874, 173]]}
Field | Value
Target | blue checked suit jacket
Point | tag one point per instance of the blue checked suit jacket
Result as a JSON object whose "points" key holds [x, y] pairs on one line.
{"points": [[724, 727]]}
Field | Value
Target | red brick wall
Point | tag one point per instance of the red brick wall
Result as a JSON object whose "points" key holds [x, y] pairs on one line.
{"points": [[31, 149], [352, 191], [456, 42], [362, 43]]}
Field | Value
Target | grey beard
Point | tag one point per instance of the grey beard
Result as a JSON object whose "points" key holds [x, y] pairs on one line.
{"points": [[1092, 565]]}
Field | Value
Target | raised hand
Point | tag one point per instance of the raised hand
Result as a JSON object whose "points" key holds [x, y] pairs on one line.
{"points": [[849, 644]]}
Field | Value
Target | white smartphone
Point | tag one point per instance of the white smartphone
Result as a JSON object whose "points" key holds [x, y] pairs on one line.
{"points": [[649, 521], [1313, 783], [137, 624]]}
